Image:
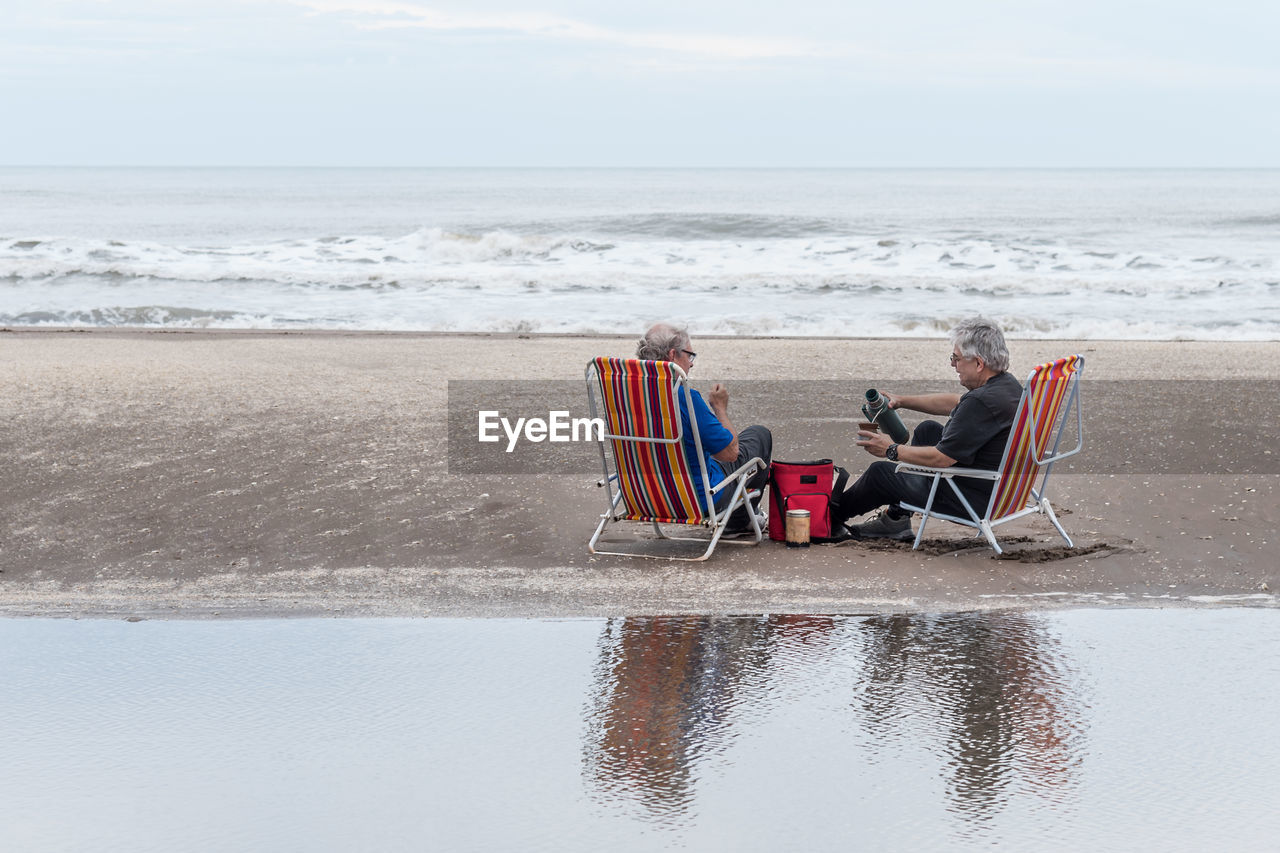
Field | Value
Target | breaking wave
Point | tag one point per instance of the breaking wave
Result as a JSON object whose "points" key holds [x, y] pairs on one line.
{"points": [[897, 255]]}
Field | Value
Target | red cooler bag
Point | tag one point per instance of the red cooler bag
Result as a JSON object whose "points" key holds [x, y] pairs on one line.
{"points": [[804, 485]]}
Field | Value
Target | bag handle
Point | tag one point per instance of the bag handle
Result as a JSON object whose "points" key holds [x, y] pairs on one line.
{"points": [[837, 488]]}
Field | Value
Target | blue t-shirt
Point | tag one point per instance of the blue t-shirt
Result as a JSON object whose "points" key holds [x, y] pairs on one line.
{"points": [[714, 439]]}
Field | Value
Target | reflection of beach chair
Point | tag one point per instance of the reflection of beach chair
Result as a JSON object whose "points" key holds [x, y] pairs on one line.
{"points": [[1050, 392], [650, 480]]}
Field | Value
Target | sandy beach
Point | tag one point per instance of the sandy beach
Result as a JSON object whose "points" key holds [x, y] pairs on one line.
{"points": [[194, 474]]}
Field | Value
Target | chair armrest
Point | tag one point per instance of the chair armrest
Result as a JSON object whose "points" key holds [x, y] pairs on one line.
{"points": [[746, 470], [926, 471], [1056, 457]]}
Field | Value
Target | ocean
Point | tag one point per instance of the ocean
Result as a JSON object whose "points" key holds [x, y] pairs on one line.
{"points": [[1121, 254]]}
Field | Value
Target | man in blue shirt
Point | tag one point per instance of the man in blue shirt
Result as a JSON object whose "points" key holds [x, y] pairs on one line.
{"points": [[725, 448]]}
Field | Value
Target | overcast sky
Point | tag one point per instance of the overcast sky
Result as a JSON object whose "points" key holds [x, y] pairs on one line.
{"points": [[650, 83]]}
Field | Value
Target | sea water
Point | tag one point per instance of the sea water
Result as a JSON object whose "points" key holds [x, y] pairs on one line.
{"points": [[1062, 730], [1126, 254]]}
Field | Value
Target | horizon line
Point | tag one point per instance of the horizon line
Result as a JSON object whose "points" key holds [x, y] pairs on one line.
{"points": [[636, 167]]}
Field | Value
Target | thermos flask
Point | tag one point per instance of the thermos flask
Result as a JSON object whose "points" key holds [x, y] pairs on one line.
{"points": [[877, 411]]}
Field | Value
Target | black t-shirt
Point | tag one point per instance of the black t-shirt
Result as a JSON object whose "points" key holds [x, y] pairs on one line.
{"points": [[979, 427]]}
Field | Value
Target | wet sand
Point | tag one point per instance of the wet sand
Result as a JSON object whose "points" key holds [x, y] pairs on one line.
{"points": [[188, 474]]}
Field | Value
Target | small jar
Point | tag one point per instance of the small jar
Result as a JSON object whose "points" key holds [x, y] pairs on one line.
{"points": [[797, 528]]}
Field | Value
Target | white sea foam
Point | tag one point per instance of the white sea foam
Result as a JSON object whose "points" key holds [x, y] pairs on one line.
{"points": [[575, 265]]}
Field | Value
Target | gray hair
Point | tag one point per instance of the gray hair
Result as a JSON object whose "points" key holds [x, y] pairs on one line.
{"points": [[980, 337], [660, 340]]}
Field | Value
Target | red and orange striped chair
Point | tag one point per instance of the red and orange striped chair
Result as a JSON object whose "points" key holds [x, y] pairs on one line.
{"points": [[1050, 392], [649, 479]]}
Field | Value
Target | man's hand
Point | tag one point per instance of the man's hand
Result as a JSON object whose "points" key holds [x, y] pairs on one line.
{"points": [[892, 399], [718, 399], [875, 443]]}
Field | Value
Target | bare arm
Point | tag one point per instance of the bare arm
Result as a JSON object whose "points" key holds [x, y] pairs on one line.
{"points": [[929, 404], [718, 400]]}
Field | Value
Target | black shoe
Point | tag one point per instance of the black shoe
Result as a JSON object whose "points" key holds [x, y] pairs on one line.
{"points": [[845, 534], [737, 531], [884, 527]]}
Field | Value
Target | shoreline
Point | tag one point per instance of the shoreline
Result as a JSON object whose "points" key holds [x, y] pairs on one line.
{"points": [[282, 473], [132, 331]]}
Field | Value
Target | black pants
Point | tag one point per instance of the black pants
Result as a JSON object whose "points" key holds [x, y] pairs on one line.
{"points": [[752, 442], [880, 485]]}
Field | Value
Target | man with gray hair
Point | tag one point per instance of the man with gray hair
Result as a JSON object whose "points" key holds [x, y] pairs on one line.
{"points": [[725, 448], [974, 437]]}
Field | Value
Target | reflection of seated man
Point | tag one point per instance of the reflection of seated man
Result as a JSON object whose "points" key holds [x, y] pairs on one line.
{"points": [[1016, 687], [974, 437], [725, 449], [664, 695]]}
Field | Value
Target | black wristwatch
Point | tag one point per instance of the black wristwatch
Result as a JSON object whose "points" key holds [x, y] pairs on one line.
{"points": [[891, 453]]}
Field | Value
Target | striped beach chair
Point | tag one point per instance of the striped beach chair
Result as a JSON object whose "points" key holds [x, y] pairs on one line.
{"points": [[1050, 393], [646, 475]]}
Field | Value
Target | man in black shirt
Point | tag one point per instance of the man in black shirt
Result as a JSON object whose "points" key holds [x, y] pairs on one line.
{"points": [[974, 437]]}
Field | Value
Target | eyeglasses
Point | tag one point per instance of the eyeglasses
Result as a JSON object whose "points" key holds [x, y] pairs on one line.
{"points": [[955, 359], [692, 355]]}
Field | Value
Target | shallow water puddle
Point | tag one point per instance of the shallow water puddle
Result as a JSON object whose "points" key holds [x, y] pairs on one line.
{"points": [[1135, 729]]}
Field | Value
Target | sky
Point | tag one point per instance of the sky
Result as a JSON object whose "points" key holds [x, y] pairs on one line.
{"points": [[665, 83]]}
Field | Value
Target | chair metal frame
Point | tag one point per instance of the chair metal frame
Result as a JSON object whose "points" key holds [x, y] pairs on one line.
{"points": [[1043, 465], [716, 521]]}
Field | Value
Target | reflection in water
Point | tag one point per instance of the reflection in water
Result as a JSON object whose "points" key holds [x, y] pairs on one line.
{"points": [[995, 685], [665, 690], [991, 694], [922, 732]]}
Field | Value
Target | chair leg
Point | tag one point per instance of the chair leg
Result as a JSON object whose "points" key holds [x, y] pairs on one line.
{"points": [[604, 520], [924, 519], [924, 516], [711, 546], [720, 528], [755, 520], [741, 498], [991, 536], [1048, 510]]}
